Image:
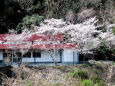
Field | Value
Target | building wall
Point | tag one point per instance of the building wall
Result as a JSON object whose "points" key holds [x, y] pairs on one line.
{"points": [[69, 56], [66, 56], [45, 57], [75, 56]]}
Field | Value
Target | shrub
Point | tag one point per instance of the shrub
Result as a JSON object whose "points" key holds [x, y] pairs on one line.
{"points": [[103, 51], [87, 83], [86, 65], [101, 83], [97, 81], [29, 83], [79, 74]]}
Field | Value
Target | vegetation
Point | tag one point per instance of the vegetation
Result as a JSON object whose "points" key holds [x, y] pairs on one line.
{"points": [[29, 22], [97, 81], [84, 78], [29, 83], [113, 29], [87, 83], [104, 52], [57, 75], [21, 14], [14, 11], [79, 74]]}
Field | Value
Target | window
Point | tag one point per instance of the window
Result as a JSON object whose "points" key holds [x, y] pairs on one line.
{"points": [[7, 55], [28, 54], [4, 55], [37, 54], [17, 55]]}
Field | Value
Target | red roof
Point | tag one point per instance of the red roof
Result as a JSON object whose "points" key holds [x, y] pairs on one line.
{"points": [[38, 46], [2, 37], [34, 37]]}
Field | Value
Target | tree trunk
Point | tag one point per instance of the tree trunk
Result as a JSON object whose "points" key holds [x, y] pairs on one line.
{"points": [[20, 60], [55, 57]]}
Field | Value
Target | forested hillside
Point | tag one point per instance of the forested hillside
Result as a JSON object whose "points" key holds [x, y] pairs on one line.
{"points": [[87, 24], [19, 14]]}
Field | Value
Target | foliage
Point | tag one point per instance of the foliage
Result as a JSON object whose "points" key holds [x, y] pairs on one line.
{"points": [[59, 8], [13, 11], [29, 83], [98, 64], [38, 8], [113, 50], [10, 15], [95, 79], [101, 83], [87, 82], [104, 52], [29, 22], [79, 74], [113, 30], [83, 37]]}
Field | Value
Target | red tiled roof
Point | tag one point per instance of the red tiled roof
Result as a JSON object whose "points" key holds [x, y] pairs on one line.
{"points": [[38, 46], [34, 37]]}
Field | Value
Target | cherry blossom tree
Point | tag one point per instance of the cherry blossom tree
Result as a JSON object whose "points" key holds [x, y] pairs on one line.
{"points": [[85, 35], [18, 43]]}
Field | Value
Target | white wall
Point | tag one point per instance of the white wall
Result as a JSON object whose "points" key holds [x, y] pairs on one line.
{"points": [[45, 57], [69, 56], [76, 56]]}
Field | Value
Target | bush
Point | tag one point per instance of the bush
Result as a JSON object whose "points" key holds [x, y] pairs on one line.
{"points": [[100, 83], [87, 83], [97, 81], [29, 83], [79, 74], [104, 52]]}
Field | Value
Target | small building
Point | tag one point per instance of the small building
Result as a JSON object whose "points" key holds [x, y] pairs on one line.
{"points": [[36, 53]]}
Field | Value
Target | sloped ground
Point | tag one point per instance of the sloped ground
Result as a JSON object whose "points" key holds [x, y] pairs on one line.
{"points": [[57, 75]]}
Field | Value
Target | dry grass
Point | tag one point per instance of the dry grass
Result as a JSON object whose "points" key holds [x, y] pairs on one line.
{"points": [[50, 75]]}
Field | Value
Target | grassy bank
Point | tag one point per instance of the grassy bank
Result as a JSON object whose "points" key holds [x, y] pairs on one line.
{"points": [[90, 74]]}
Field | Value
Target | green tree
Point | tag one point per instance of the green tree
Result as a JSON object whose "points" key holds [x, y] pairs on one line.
{"points": [[29, 22]]}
